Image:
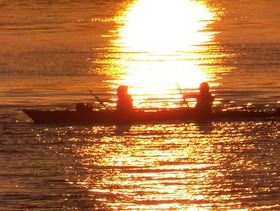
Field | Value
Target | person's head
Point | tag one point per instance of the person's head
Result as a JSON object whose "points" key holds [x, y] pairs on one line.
{"points": [[122, 90], [204, 87]]}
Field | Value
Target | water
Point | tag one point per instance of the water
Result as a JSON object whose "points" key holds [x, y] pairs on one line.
{"points": [[53, 52]]}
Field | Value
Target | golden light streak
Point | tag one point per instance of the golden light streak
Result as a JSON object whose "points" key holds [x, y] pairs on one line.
{"points": [[165, 26], [160, 44]]}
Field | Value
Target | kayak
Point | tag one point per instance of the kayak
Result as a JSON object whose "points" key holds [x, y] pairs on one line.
{"points": [[90, 116]]}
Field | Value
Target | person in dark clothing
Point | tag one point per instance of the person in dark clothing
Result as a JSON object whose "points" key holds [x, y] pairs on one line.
{"points": [[124, 102], [204, 99]]}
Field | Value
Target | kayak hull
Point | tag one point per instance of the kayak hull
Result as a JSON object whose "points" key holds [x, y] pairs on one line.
{"points": [[142, 116]]}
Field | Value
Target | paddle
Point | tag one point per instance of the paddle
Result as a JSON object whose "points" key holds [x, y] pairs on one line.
{"points": [[180, 90], [100, 101]]}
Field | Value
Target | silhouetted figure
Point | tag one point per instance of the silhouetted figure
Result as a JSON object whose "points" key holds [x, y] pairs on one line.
{"points": [[124, 102], [204, 99]]}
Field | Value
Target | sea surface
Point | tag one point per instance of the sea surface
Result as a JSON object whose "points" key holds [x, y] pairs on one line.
{"points": [[53, 52]]}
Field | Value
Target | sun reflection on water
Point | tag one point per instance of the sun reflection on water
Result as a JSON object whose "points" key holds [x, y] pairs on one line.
{"points": [[164, 26], [217, 166], [160, 45], [145, 171]]}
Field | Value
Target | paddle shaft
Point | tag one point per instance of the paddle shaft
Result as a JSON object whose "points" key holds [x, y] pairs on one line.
{"points": [[101, 102], [180, 90]]}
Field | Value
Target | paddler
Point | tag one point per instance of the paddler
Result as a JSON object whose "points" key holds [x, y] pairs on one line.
{"points": [[204, 99], [124, 102]]}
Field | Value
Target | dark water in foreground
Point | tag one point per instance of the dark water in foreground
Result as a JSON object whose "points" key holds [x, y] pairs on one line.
{"points": [[53, 52]]}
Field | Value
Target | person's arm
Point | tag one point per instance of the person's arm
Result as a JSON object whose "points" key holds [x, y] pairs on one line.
{"points": [[190, 95]]}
